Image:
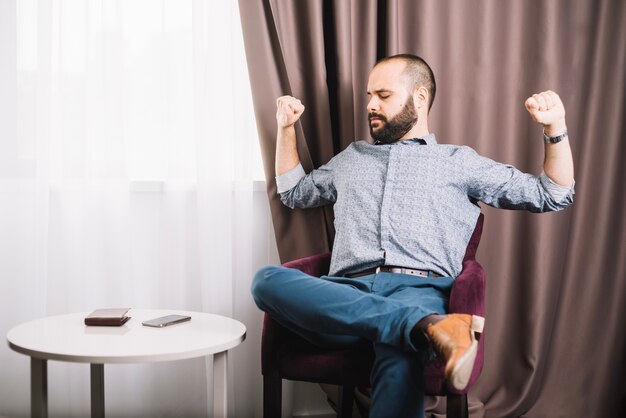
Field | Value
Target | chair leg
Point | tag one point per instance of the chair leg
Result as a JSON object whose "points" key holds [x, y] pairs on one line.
{"points": [[345, 402], [361, 396], [457, 406], [272, 396]]}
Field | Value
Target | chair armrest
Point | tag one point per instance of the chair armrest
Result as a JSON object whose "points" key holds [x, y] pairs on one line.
{"points": [[468, 291], [468, 296], [274, 334], [315, 265]]}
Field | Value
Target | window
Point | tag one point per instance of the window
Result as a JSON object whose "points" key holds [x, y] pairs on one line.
{"points": [[132, 90]]}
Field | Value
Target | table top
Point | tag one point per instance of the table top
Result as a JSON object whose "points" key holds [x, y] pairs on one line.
{"points": [[67, 338]]}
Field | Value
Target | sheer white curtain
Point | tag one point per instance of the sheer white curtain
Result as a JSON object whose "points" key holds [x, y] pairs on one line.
{"points": [[128, 155]]}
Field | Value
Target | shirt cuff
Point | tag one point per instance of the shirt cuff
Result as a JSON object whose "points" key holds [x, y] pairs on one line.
{"points": [[556, 191], [288, 180]]}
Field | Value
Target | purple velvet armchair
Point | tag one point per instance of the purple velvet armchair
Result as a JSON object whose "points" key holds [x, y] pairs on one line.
{"points": [[284, 355]]}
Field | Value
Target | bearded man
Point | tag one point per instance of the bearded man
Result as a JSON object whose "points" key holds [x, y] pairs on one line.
{"points": [[405, 208]]}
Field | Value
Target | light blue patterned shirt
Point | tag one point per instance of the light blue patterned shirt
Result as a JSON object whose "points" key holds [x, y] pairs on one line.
{"points": [[412, 203]]}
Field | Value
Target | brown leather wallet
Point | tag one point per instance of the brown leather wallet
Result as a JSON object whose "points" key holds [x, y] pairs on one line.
{"points": [[108, 317]]}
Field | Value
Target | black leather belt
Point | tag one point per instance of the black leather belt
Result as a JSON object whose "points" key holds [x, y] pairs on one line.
{"points": [[393, 269]]}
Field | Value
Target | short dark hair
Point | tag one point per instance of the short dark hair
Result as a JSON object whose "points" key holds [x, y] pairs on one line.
{"points": [[418, 73]]}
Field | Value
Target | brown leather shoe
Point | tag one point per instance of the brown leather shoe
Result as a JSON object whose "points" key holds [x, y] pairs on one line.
{"points": [[454, 340]]}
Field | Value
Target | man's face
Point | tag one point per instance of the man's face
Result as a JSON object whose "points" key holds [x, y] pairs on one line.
{"points": [[391, 109], [391, 130]]}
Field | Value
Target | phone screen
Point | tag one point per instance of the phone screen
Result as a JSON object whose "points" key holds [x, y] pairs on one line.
{"points": [[166, 320]]}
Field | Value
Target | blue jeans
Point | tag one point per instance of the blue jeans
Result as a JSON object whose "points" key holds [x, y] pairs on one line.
{"points": [[341, 312]]}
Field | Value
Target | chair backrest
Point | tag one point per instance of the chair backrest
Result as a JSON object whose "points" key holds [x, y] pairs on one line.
{"points": [[472, 245]]}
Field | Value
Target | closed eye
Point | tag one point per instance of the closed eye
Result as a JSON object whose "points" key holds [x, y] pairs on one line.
{"points": [[382, 94]]}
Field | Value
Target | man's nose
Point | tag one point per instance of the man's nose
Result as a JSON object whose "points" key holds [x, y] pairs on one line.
{"points": [[373, 104]]}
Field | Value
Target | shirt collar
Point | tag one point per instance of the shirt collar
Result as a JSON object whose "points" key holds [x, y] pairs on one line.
{"points": [[425, 140]]}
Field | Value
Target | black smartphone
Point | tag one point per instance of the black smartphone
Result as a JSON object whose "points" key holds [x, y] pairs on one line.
{"points": [[166, 320]]}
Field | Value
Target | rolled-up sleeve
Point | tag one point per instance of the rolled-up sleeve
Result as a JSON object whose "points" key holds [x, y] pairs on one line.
{"points": [[300, 190], [560, 194], [288, 180]]}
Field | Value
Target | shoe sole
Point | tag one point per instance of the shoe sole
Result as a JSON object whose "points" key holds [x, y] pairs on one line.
{"points": [[459, 378]]}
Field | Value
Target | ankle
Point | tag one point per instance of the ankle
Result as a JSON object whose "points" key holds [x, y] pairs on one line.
{"points": [[419, 337], [429, 320]]}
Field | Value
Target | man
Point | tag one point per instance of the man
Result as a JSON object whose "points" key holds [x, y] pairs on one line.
{"points": [[405, 208]]}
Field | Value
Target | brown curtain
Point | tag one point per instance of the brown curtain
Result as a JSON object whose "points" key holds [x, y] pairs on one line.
{"points": [[556, 298]]}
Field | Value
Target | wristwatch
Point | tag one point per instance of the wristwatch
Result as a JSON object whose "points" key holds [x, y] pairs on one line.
{"points": [[554, 139]]}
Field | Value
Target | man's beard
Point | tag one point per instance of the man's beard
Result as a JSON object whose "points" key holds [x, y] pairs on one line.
{"points": [[394, 129]]}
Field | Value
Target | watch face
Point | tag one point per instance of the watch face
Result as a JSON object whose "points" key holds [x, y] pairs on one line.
{"points": [[555, 139]]}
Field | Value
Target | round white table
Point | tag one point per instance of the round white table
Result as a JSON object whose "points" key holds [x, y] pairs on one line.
{"points": [[67, 338]]}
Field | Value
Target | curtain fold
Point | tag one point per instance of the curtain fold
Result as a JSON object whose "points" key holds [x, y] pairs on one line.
{"points": [[270, 79], [556, 282]]}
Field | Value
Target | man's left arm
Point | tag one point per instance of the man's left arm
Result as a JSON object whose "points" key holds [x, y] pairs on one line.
{"points": [[547, 109]]}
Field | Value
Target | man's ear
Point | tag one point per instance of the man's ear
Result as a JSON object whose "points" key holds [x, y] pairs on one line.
{"points": [[421, 97]]}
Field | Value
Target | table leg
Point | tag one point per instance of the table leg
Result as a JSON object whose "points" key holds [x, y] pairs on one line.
{"points": [[38, 387], [97, 391], [220, 384]]}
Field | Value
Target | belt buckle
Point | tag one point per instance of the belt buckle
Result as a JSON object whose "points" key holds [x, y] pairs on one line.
{"points": [[377, 270]]}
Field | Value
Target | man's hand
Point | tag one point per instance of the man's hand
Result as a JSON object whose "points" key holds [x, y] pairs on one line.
{"points": [[547, 109], [288, 111]]}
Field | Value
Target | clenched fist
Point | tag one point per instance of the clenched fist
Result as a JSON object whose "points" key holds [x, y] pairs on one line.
{"points": [[545, 107], [288, 111]]}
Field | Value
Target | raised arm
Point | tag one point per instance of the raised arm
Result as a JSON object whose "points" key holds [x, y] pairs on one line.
{"points": [[547, 109], [288, 111]]}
